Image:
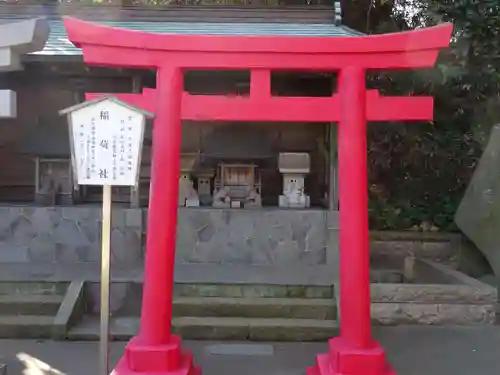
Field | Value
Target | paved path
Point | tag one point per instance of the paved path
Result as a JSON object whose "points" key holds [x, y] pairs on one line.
{"points": [[412, 351]]}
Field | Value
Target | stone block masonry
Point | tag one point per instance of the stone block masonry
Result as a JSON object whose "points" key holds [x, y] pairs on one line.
{"points": [[257, 237], [267, 237], [245, 237], [67, 235]]}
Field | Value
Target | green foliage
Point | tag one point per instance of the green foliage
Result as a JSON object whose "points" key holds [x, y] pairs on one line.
{"points": [[419, 172]]}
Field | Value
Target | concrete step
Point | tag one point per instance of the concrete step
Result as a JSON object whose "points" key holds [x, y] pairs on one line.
{"points": [[291, 308], [132, 303], [31, 287], [217, 328], [30, 304], [25, 326], [255, 329], [238, 290]]}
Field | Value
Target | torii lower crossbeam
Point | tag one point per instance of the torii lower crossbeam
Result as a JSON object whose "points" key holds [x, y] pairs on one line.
{"points": [[155, 349], [283, 109]]}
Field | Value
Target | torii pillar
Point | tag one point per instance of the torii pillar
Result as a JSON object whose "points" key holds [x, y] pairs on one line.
{"points": [[354, 352]]}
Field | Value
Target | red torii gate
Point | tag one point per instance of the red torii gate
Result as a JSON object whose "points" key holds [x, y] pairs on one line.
{"points": [[155, 349]]}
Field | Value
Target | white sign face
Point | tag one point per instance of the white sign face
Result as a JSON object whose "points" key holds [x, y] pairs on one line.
{"points": [[107, 144]]}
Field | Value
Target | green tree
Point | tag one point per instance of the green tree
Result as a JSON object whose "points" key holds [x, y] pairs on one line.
{"points": [[419, 171]]}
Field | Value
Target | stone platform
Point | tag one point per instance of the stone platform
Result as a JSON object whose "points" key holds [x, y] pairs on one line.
{"points": [[436, 295]]}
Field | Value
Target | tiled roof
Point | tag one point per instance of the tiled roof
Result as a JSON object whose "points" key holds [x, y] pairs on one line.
{"points": [[58, 43]]}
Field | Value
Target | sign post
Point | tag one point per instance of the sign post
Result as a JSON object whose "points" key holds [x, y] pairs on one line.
{"points": [[105, 278], [106, 137]]}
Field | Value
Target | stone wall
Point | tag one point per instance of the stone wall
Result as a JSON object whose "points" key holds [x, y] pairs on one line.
{"points": [[67, 234], [257, 237], [216, 236]]}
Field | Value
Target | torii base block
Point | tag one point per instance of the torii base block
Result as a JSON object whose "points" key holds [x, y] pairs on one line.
{"points": [[344, 359], [166, 359]]}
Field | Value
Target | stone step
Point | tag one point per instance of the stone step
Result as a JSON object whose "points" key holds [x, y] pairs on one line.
{"points": [[216, 328], [256, 329], [239, 290], [134, 292], [32, 287], [25, 326], [30, 304], [243, 294], [292, 308]]}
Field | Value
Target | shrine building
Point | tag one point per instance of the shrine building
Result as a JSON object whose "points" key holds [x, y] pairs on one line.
{"points": [[261, 195]]}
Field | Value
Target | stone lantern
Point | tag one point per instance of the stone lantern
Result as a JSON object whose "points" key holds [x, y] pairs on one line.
{"points": [[188, 197], [294, 167], [204, 178]]}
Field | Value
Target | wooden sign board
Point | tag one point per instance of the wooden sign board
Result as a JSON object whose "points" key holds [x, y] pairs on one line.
{"points": [[106, 137]]}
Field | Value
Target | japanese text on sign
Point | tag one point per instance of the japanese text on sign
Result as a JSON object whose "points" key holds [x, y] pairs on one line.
{"points": [[107, 140]]}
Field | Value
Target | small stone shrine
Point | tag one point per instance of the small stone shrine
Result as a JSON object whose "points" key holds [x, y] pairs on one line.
{"points": [[238, 154], [188, 197], [237, 186], [294, 167], [54, 181]]}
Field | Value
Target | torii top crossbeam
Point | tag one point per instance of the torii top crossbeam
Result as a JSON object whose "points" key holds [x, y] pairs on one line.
{"points": [[412, 49]]}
